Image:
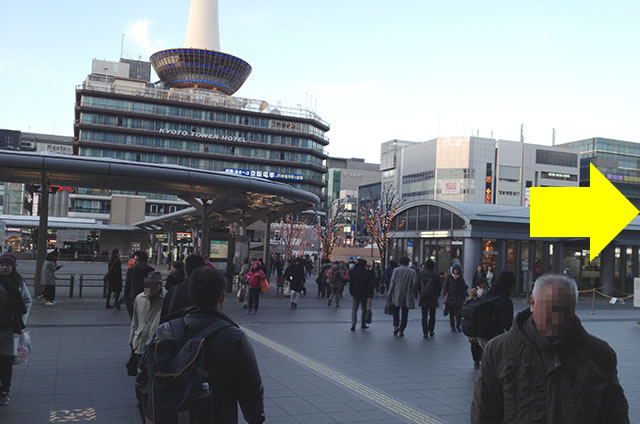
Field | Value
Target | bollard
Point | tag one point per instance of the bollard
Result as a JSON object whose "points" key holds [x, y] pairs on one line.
{"points": [[80, 288], [71, 281], [593, 301]]}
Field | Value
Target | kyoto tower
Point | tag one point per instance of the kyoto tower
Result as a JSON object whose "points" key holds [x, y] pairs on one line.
{"points": [[201, 64]]}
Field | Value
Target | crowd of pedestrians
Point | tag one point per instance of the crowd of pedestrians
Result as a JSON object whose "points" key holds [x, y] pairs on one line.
{"points": [[528, 366]]}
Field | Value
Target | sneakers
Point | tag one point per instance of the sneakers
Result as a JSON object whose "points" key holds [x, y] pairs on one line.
{"points": [[4, 398], [49, 303]]}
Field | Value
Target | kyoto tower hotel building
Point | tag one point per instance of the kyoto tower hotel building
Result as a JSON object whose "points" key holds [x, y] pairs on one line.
{"points": [[191, 118]]}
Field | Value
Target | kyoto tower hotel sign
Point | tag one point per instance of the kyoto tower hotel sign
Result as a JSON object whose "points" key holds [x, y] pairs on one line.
{"points": [[201, 64]]}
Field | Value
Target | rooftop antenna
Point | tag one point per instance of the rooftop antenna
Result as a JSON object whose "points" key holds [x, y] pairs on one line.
{"points": [[521, 133], [491, 134], [553, 137], [121, 46]]}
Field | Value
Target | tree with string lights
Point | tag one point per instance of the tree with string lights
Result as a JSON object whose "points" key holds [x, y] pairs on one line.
{"points": [[329, 233], [378, 217], [291, 234]]}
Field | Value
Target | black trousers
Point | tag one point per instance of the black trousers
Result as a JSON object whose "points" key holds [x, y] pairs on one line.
{"points": [[357, 302], [401, 323], [254, 298], [428, 319], [476, 351], [49, 293], [116, 297], [6, 370], [455, 316]]}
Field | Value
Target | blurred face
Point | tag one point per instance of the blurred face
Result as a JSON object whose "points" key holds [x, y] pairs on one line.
{"points": [[479, 269], [172, 270], [152, 289], [456, 273], [5, 269], [554, 311], [137, 261]]}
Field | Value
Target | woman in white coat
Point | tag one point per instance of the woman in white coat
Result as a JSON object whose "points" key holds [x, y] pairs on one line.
{"points": [[15, 304]]}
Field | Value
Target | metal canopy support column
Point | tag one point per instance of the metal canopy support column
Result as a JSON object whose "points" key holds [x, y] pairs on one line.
{"points": [[502, 257], [634, 261], [43, 233], [558, 257], [531, 275], [204, 229], [267, 239], [607, 268]]}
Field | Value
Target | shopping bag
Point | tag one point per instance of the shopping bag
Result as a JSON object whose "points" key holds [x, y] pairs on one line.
{"points": [[242, 292], [24, 348], [286, 290], [264, 285]]}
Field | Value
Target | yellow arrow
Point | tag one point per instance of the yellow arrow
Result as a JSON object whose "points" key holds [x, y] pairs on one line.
{"points": [[599, 212]]}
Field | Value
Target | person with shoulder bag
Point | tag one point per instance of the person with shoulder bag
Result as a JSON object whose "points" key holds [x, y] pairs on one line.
{"points": [[15, 305]]}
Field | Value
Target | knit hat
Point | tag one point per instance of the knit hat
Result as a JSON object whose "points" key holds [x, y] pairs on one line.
{"points": [[8, 258]]}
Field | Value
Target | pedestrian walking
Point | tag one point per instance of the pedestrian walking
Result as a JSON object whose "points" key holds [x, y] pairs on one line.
{"points": [[134, 282], [430, 286], [336, 280], [15, 305], [114, 280], [295, 274], [476, 349], [360, 288], [547, 368], [254, 279], [48, 276], [402, 291], [501, 306], [455, 292], [147, 307], [176, 275], [322, 280], [479, 274]]}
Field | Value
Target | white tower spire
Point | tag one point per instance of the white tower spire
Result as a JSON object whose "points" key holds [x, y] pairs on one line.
{"points": [[202, 30]]}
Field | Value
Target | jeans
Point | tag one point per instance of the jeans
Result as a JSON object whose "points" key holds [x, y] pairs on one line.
{"points": [[428, 319], [455, 314], [295, 297], [354, 310], [6, 370], [397, 323], [254, 298]]}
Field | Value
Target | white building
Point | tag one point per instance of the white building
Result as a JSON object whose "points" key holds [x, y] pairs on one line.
{"points": [[480, 170]]}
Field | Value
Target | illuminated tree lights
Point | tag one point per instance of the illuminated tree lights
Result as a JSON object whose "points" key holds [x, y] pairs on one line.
{"points": [[328, 235], [290, 234], [378, 219]]}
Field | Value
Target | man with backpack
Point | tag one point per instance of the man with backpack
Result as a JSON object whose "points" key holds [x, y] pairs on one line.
{"points": [[201, 366], [430, 286], [490, 315]]}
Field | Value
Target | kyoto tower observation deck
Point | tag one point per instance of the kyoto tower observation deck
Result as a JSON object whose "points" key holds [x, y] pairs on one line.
{"points": [[201, 64]]}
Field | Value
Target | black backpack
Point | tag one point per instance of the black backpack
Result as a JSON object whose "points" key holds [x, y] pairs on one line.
{"points": [[177, 388], [478, 318]]}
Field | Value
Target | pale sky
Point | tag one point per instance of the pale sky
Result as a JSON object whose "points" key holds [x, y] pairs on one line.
{"points": [[379, 70]]}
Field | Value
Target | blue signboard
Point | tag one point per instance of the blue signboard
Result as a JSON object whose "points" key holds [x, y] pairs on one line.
{"points": [[265, 174]]}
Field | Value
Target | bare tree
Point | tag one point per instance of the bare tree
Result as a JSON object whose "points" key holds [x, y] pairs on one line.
{"points": [[328, 234], [378, 217], [290, 234]]}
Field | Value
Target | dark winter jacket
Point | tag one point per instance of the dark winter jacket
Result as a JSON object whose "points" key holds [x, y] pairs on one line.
{"points": [[232, 367], [360, 282], [432, 279], [114, 275], [502, 309], [176, 299], [174, 279], [455, 290], [134, 284], [526, 379], [295, 275]]}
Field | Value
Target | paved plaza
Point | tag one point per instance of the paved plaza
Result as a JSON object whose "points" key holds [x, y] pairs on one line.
{"points": [[314, 369]]}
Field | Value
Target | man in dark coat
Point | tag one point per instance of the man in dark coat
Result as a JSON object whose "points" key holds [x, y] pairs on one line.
{"points": [[229, 359], [501, 306], [547, 368], [429, 288], [296, 276], [134, 283], [455, 291], [360, 288]]}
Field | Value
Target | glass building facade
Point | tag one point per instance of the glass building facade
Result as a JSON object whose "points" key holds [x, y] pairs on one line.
{"points": [[618, 160]]}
